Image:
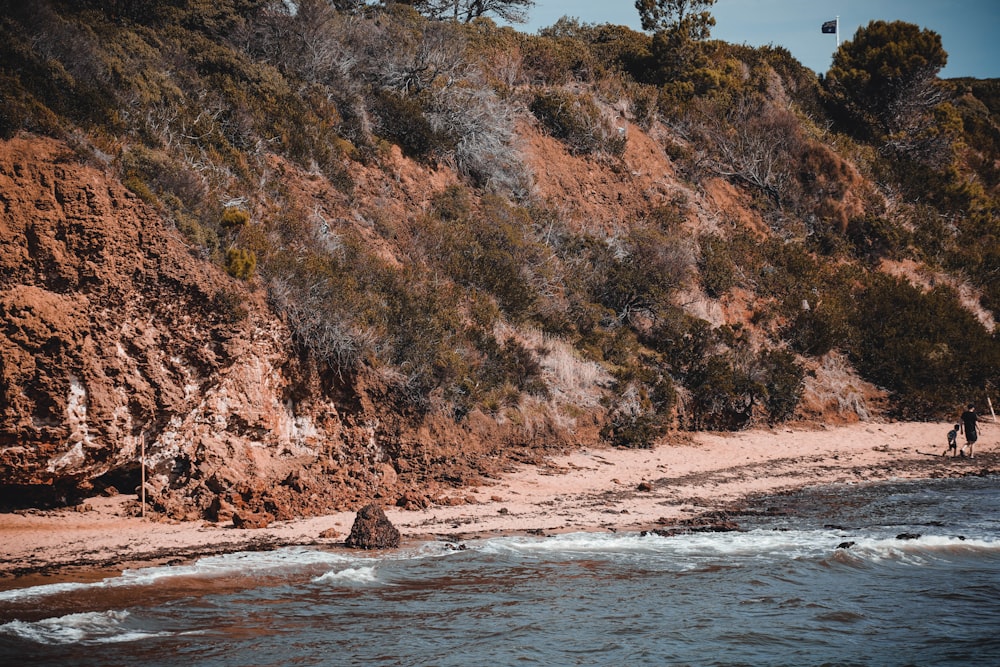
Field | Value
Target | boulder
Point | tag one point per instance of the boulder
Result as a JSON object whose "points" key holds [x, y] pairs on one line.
{"points": [[372, 530], [251, 520]]}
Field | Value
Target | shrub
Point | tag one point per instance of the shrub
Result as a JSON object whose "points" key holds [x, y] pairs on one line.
{"points": [[640, 271], [488, 249], [876, 237], [716, 269], [234, 218], [140, 189], [577, 121], [642, 413], [731, 390], [228, 305], [925, 348], [682, 339], [204, 238], [241, 263], [401, 119], [556, 59]]}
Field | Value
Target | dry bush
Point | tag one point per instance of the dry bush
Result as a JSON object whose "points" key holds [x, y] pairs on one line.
{"points": [[836, 389], [746, 139], [569, 378], [481, 126], [327, 335], [577, 121]]}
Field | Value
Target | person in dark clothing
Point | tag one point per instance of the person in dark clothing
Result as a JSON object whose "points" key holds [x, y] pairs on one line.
{"points": [[953, 441], [970, 421]]}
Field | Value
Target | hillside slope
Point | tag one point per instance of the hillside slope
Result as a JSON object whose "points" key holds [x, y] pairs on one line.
{"points": [[308, 260], [116, 336]]}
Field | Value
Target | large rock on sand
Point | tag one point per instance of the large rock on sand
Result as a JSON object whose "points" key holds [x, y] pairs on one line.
{"points": [[372, 530]]}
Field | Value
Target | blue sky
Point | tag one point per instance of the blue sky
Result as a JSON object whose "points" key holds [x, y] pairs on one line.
{"points": [[969, 29]]}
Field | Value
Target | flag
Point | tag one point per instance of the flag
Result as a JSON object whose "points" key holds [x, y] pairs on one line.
{"points": [[830, 28]]}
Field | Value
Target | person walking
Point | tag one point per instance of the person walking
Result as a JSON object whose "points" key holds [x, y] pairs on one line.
{"points": [[953, 441], [970, 421]]}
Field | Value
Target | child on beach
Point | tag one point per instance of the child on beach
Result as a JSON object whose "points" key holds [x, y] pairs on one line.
{"points": [[953, 441]]}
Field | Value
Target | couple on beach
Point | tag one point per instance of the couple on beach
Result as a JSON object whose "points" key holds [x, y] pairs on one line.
{"points": [[968, 422]]}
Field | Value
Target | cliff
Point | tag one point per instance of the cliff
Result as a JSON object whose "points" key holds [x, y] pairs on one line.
{"points": [[117, 336]]}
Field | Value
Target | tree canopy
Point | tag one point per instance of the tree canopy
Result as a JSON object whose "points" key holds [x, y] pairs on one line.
{"points": [[515, 11], [886, 75], [690, 17]]}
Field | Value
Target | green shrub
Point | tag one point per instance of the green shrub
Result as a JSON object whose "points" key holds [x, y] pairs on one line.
{"points": [[876, 237], [234, 219], [488, 248], [928, 350], [402, 120], [140, 189], [556, 59], [639, 273], [577, 121], [204, 238], [228, 306], [241, 263], [717, 271], [642, 411], [733, 389]]}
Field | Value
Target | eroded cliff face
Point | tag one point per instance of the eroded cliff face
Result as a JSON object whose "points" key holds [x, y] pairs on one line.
{"points": [[115, 338]]}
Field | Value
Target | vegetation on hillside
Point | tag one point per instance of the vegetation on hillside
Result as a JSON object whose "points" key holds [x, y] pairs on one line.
{"points": [[877, 164]]}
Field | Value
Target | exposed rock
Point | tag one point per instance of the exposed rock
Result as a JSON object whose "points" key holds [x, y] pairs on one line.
{"points": [[330, 534], [372, 530], [695, 526], [908, 536], [644, 486], [251, 520], [846, 545], [116, 338], [411, 500]]}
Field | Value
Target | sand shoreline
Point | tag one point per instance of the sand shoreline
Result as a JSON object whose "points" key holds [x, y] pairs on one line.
{"points": [[592, 489]]}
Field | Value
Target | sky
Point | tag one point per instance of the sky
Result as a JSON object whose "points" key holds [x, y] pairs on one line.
{"points": [[969, 29]]}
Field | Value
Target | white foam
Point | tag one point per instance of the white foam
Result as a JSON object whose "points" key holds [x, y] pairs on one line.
{"points": [[921, 550], [350, 575], [779, 544], [729, 544], [97, 627], [40, 591], [248, 563]]}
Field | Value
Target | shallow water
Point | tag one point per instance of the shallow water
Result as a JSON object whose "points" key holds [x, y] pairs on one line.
{"points": [[778, 593]]}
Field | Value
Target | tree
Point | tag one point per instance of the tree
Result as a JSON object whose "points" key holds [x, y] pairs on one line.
{"points": [[679, 27], [514, 11], [690, 18], [885, 78]]}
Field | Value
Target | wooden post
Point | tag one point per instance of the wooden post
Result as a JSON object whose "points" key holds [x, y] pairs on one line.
{"points": [[990, 403], [142, 467]]}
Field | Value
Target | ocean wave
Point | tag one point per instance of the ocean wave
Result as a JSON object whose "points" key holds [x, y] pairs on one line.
{"points": [[97, 627], [921, 550], [244, 564], [350, 575], [779, 544], [287, 560]]}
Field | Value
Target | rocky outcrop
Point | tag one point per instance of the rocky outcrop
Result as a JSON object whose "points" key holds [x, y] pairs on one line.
{"points": [[117, 337], [372, 530]]}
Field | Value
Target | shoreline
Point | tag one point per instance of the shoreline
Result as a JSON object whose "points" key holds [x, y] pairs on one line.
{"points": [[594, 489]]}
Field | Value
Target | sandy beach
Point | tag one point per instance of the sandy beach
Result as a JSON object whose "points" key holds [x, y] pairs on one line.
{"points": [[592, 489]]}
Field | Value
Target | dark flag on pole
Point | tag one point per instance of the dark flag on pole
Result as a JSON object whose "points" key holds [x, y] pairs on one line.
{"points": [[830, 28]]}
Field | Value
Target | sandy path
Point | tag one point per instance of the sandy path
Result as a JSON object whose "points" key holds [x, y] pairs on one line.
{"points": [[595, 489]]}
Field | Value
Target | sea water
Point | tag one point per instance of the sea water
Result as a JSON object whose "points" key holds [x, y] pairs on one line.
{"points": [[832, 576]]}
